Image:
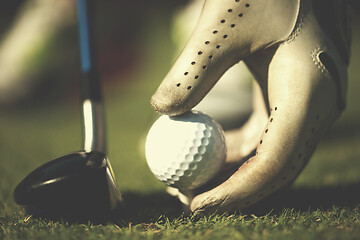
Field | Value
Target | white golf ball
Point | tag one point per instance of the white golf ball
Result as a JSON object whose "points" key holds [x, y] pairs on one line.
{"points": [[185, 151]]}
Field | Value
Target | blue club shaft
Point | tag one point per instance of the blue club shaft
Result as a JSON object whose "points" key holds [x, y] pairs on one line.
{"points": [[84, 35], [92, 106]]}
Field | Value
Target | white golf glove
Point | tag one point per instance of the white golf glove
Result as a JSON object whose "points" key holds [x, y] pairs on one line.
{"points": [[298, 51]]}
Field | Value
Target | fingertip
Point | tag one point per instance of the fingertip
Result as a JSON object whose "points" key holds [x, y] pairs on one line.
{"points": [[166, 103], [204, 204], [194, 206]]}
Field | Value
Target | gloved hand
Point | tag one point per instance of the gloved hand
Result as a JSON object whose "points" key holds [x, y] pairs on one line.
{"points": [[298, 52]]}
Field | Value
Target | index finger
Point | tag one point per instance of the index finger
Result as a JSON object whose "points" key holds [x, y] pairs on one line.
{"points": [[227, 32]]}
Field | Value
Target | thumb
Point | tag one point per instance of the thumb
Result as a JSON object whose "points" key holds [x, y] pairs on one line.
{"points": [[227, 32]]}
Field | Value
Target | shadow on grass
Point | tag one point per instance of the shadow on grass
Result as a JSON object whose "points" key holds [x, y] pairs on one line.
{"points": [[135, 208], [304, 199], [148, 208], [145, 208]]}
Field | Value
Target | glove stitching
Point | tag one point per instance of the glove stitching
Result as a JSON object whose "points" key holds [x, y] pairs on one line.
{"points": [[304, 5], [315, 56]]}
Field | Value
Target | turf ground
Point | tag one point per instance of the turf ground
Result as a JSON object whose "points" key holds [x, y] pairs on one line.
{"points": [[322, 204]]}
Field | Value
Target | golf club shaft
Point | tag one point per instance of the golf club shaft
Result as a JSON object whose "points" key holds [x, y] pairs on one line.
{"points": [[92, 106]]}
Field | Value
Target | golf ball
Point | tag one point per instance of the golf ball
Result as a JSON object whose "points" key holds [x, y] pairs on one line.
{"points": [[185, 151]]}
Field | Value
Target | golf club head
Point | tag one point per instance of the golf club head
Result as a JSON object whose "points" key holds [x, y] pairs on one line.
{"points": [[78, 184]]}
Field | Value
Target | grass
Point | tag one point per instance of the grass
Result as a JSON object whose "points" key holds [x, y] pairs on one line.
{"points": [[322, 204]]}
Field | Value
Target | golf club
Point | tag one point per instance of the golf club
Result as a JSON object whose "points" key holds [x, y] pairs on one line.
{"points": [[81, 183]]}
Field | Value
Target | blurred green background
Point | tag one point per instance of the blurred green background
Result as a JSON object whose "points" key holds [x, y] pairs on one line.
{"points": [[135, 51]]}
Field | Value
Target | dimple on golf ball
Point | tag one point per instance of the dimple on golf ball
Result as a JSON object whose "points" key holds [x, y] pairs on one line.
{"points": [[185, 151]]}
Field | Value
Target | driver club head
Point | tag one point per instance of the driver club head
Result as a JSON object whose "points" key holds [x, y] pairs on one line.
{"points": [[80, 184]]}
